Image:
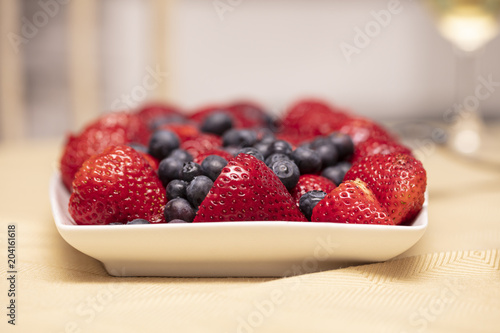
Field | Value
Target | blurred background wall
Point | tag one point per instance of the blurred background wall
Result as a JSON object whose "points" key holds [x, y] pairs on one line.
{"points": [[65, 61]]}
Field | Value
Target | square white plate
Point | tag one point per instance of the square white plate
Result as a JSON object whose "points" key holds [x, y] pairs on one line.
{"points": [[231, 249]]}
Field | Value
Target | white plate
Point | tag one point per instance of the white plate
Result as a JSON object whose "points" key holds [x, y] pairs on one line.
{"points": [[231, 248]]}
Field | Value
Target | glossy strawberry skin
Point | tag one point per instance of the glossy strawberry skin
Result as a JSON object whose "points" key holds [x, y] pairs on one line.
{"points": [[202, 143], [311, 183], [247, 114], [351, 202], [185, 132], [247, 190], [373, 146], [224, 154], [110, 129], [310, 117], [361, 129], [397, 180], [117, 185], [148, 113]]}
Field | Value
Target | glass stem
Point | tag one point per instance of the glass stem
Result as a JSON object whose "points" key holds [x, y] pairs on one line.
{"points": [[466, 125]]}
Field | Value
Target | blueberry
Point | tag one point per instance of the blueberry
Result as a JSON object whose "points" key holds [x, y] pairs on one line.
{"points": [[138, 221], [239, 138], [319, 141], [138, 147], [162, 143], [191, 170], [271, 123], [232, 150], [169, 169], [287, 171], [115, 223], [198, 189], [178, 221], [217, 123], [328, 154], [307, 160], [264, 148], [343, 143], [281, 147], [212, 166], [344, 165], [252, 151], [180, 154], [274, 158], [308, 201], [336, 173], [176, 189], [179, 208]]}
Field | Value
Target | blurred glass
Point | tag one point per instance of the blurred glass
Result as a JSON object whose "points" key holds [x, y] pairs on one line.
{"points": [[469, 25]]}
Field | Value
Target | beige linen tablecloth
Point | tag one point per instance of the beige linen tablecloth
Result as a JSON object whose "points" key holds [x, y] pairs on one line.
{"points": [[448, 282]]}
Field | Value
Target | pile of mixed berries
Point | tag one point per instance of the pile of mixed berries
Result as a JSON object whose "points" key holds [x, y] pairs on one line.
{"points": [[235, 163]]}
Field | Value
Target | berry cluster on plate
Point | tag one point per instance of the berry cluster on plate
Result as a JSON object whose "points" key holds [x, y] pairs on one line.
{"points": [[234, 162]]}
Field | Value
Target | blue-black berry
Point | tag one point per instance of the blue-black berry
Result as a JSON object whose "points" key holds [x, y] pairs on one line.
{"points": [[169, 169], [239, 138], [138, 221], [308, 201], [287, 171], [264, 148], [212, 166], [343, 143], [307, 160], [217, 123], [177, 189], [198, 189], [275, 158], [162, 143], [179, 208], [182, 155], [252, 151], [191, 170], [281, 147], [328, 154], [336, 173]]}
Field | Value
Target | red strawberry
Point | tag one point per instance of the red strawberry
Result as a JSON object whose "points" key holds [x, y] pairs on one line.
{"points": [[202, 143], [151, 112], [310, 117], [247, 190], [151, 160], [201, 156], [310, 183], [377, 146], [397, 180], [360, 129], [111, 129], [351, 202], [247, 115], [185, 132], [117, 185]]}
